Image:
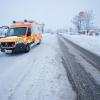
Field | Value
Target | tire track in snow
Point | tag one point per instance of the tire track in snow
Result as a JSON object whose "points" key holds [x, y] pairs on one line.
{"points": [[83, 83], [13, 90], [87, 55]]}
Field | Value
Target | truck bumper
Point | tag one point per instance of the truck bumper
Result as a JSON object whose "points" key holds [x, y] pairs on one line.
{"points": [[20, 47]]}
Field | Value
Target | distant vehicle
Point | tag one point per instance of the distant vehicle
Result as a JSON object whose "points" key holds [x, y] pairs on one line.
{"points": [[21, 36], [2, 34], [97, 33], [3, 31]]}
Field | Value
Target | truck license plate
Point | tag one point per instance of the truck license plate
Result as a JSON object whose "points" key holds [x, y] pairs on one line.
{"points": [[8, 51]]}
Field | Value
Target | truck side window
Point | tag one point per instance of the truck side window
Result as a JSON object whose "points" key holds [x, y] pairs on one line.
{"points": [[29, 31]]}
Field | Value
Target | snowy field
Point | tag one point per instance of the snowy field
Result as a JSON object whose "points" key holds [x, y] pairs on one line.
{"points": [[37, 75], [91, 43]]}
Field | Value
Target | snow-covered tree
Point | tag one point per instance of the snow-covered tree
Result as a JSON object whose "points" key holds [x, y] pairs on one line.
{"points": [[89, 20], [77, 23], [83, 21]]}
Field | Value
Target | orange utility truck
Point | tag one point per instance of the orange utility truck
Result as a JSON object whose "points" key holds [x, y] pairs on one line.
{"points": [[21, 36]]}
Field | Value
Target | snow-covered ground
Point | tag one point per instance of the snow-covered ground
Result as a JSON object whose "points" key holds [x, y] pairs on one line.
{"points": [[37, 75], [91, 43]]}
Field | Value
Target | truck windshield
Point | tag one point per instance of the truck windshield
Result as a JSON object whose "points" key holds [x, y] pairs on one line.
{"points": [[20, 31]]}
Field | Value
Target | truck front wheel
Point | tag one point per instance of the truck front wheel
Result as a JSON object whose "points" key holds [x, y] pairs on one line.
{"points": [[27, 48]]}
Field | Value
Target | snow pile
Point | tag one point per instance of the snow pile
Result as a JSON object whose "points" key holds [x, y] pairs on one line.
{"points": [[91, 43]]}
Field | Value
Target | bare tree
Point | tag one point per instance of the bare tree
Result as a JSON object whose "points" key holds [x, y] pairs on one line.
{"points": [[77, 22], [83, 21], [89, 20]]}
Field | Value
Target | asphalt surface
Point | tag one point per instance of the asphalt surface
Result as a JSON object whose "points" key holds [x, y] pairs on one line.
{"points": [[82, 82]]}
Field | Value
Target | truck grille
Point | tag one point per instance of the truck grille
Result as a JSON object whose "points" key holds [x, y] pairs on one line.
{"points": [[8, 44]]}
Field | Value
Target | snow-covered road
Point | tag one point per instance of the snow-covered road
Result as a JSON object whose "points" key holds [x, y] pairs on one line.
{"points": [[83, 71], [37, 75], [90, 43]]}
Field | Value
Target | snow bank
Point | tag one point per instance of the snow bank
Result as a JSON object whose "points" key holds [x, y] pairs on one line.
{"points": [[91, 43]]}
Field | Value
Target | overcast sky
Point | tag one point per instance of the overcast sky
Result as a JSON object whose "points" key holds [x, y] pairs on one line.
{"points": [[54, 13]]}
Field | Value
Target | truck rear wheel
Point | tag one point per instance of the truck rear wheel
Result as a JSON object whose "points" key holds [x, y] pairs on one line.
{"points": [[39, 41]]}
